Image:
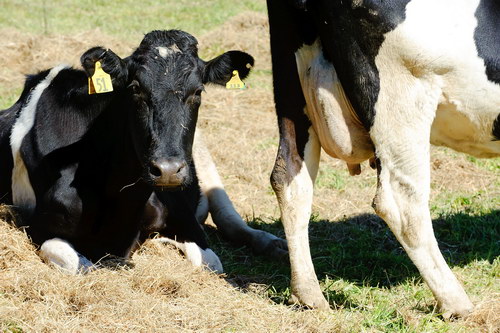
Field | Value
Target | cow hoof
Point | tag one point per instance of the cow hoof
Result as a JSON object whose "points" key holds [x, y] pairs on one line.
{"points": [[61, 254], [264, 243], [462, 311], [317, 302], [202, 258]]}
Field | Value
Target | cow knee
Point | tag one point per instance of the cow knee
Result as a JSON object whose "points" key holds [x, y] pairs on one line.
{"points": [[61, 254], [406, 212], [279, 175]]}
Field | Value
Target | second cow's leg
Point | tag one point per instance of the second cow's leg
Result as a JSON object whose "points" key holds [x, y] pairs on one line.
{"points": [[292, 179], [401, 133]]}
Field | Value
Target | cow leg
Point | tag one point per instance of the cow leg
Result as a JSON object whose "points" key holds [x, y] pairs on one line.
{"points": [[197, 256], [228, 221], [171, 215], [61, 254], [402, 201], [292, 179]]}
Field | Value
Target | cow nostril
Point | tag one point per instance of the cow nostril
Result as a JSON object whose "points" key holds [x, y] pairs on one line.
{"points": [[155, 170]]}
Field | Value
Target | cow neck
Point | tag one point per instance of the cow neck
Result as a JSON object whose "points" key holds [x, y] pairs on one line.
{"points": [[113, 135]]}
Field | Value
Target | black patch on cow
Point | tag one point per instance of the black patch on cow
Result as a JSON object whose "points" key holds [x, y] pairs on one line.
{"points": [[496, 128], [351, 36], [487, 37], [290, 29]]}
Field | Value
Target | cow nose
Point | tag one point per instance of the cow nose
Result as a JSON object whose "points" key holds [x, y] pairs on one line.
{"points": [[168, 172]]}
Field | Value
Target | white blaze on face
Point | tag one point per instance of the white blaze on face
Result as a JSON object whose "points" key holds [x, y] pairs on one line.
{"points": [[166, 51], [22, 191]]}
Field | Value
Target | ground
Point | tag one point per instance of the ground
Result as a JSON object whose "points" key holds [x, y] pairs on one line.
{"points": [[369, 281]]}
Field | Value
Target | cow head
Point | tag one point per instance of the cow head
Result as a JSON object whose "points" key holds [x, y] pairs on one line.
{"points": [[165, 78]]}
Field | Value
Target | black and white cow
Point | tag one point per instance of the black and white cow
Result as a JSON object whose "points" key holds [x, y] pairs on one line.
{"points": [[94, 174], [379, 80]]}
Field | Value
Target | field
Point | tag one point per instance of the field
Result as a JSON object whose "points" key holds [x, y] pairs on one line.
{"points": [[369, 281]]}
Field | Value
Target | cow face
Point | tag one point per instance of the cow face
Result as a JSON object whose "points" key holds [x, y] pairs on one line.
{"points": [[166, 79]]}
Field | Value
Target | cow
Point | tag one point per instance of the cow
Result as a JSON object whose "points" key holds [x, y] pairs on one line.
{"points": [[95, 175], [380, 81]]}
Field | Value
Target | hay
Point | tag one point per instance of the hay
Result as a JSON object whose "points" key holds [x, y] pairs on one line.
{"points": [[162, 293], [248, 31]]}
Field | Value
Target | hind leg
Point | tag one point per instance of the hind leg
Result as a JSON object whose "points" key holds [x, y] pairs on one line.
{"points": [[401, 138], [228, 221]]}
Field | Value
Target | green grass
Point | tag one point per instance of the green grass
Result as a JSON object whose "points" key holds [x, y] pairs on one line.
{"points": [[365, 274], [332, 178], [8, 98], [125, 19]]}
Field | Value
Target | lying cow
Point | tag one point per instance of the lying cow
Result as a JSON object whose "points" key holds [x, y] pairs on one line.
{"points": [[94, 174], [378, 80]]}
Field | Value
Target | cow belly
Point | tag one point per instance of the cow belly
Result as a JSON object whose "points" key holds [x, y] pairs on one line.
{"points": [[340, 132], [463, 132], [467, 110]]}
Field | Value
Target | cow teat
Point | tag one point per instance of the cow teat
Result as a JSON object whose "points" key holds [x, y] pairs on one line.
{"points": [[168, 172]]}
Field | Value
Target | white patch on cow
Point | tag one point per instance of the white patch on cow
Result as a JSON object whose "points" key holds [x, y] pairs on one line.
{"points": [[441, 54], [433, 87], [295, 203], [196, 255], [339, 130], [166, 51], [61, 254], [225, 217], [22, 191]]}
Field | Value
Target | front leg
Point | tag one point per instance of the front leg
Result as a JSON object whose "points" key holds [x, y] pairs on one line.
{"points": [[292, 179], [172, 216], [227, 219]]}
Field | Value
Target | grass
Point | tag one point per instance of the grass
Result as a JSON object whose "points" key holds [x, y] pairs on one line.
{"points": [[125, 19], [364, 271], [371, 284]]}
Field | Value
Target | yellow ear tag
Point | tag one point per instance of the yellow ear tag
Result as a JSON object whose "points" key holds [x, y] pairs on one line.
{"points": [[100, 82], [235, 82]]}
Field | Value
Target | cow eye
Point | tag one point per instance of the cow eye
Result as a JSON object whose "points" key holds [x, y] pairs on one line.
{"points": [[199, 91], [134, 86]]}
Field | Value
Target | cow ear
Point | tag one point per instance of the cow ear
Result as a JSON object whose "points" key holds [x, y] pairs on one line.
{"points": [[110, 62], [219, 70]]}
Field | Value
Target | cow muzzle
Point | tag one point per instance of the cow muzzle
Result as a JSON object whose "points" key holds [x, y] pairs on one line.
{"points": [[168, 173]]}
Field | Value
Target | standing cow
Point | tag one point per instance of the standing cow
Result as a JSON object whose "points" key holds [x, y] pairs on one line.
{"points": [[95, 175], [379, 80]]}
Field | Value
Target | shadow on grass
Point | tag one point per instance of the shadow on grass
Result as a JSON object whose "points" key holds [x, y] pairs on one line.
{"points": [[361, 250]]}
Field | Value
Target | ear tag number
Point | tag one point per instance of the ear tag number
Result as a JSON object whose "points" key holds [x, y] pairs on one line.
{"points": [[235, 82], [100, 82]]}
